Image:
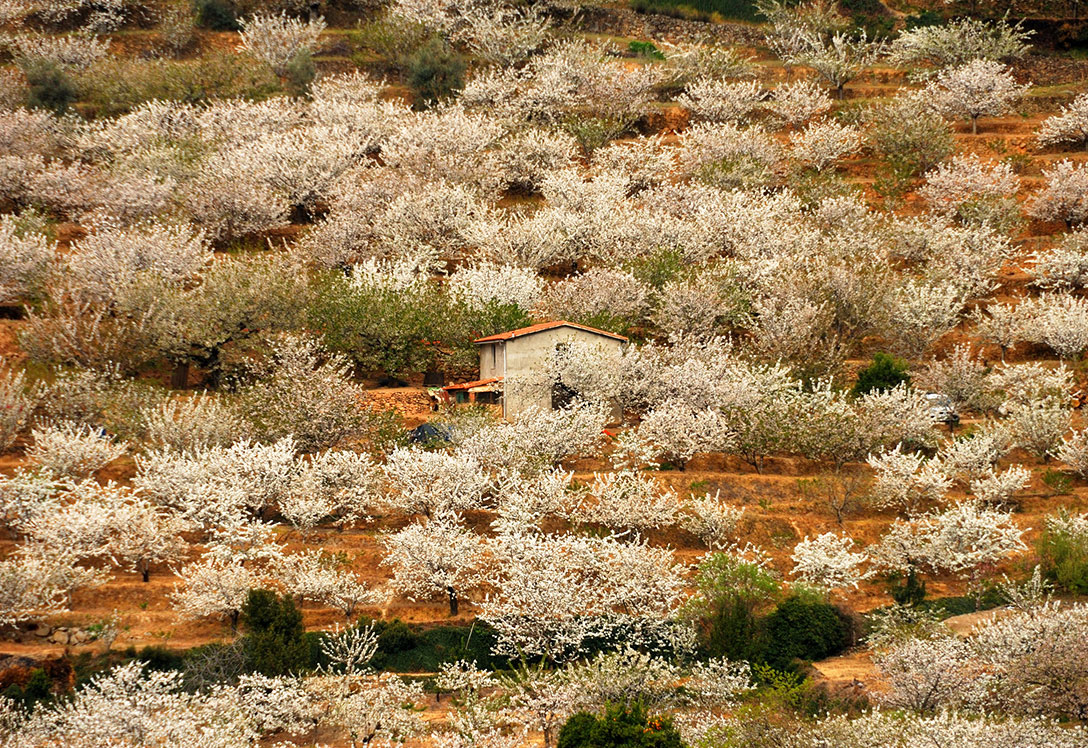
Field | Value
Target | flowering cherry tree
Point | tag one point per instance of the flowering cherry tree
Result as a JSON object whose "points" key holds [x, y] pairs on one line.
{"points": [[960, 41], [628, 500], [980, 88], [723, 101], [828, 561], [25, 257], [15, 405], [964, 179], [276, 40], [1068, 126], [145, 535], [317, 576], [436, 557], [430, 482], [1073, 451], [821, 144], [73, 451], [713, 521], [214, 587], [1057, 320], [798, 102], [1064, 266], [674, 433], [552, 592], [30, 589], [1065, 194]]}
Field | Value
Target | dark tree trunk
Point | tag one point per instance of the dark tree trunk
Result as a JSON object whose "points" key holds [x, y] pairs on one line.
{"points": [[453, 601], [179, 378]]}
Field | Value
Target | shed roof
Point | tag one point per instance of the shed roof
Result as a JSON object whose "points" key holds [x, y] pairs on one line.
{"points": [[470, 385], [541, 327]]}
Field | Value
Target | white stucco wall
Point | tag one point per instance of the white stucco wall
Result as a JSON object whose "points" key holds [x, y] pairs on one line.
{"points": [[526, 356]]}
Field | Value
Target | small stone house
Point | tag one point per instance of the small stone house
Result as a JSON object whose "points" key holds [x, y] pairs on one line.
{"points": [[525, 352]]}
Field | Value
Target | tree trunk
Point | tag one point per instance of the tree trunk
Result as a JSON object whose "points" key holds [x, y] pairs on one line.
{"points": [[974, 125], [145, 572], [453, 601], [179, 378]]}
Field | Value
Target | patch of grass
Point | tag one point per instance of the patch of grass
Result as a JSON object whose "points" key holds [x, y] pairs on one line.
{"points": [[734, 10]]}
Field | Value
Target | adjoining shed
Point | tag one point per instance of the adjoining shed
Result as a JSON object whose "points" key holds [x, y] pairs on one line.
{"points": [[526, 353]]}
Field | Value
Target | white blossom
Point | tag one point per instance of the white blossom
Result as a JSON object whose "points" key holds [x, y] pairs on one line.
{"points": [[1064, 266], [720, 100], [277, 40], [436, 558], [1065, 194], [798, 102], [713, 521], [630, 501], [214, 587], [963, 179], [1068, 126], [1073, 451], [980, 88], [426, 482], [828, 561], [997, 489], [15, 404], [959, 41], [25, 257], [821, 144], [906, 480], [73, 450]]}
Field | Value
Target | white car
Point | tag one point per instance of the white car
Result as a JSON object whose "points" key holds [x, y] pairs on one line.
{"points": [[942, 408]]}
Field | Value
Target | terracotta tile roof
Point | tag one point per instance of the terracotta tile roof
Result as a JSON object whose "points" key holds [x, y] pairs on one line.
{"points": [[541, 327], [467, 385]]}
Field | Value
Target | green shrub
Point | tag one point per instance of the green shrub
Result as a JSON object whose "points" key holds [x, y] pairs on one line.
{"points": [[157, 657], [925, 18], [734, 632], [647, 50], [739, 10], [37, 688], [910, 136], [729, 595], [803, 630], [49, 86], [908, 589], [435, 71], [216, 15], [592, 132], [381, 329], [1063, 553], [301, 72], [1058, 482], [884, 373], [410, 649], [394, 636], [619, 728], [274, 643], [391, 39]]}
